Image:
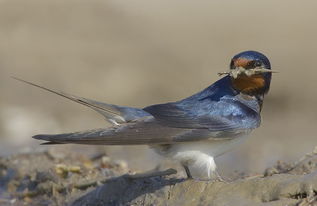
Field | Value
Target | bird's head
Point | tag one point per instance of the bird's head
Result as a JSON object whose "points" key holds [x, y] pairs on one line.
{"points": [[250, 73]]}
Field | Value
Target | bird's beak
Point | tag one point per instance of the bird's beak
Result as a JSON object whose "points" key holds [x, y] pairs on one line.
{"points": [[249, 72]]}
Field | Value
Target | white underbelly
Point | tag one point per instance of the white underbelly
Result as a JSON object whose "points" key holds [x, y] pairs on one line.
{"points": [[212, 147], [199, 156]]}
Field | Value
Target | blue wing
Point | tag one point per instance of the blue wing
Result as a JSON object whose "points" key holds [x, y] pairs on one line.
{"points": [[217, 108]]}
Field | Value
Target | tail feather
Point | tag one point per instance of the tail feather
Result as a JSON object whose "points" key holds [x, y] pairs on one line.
{"points": [[113, 113], [136, 133], [51, 143]]}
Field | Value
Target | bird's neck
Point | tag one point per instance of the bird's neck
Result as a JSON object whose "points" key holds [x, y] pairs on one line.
{"points": [[255, 85]]}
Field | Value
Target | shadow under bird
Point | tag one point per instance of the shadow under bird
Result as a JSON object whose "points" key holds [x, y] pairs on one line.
{"points": [[192, 131]]}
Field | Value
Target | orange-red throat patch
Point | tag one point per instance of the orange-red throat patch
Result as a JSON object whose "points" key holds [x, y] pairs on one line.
{"points": [[248, 84]]}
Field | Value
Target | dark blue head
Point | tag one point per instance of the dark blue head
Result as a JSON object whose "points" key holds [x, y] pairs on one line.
{"points": [[253, 73]]}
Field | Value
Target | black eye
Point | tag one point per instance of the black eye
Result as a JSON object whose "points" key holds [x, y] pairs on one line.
{"points": [[257, 64]]}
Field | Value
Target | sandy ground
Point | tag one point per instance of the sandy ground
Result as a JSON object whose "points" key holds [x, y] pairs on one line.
{"points": [[139, 53], [68, 178]]}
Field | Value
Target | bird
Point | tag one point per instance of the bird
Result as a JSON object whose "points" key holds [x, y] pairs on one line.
{"points": [[191, 131]]}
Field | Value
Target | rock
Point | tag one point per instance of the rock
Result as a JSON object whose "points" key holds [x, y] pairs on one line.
{"points": [[281, 189]]}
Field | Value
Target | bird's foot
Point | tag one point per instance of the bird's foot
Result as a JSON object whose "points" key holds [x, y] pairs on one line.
{"points": [[219, 178]]}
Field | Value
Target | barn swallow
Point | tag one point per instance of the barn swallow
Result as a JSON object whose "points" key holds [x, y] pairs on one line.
{"points": [[192, 131]]}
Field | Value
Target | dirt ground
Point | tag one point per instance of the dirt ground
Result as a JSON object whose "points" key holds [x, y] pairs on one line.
{"points": [[67, 178], [139, 53]]}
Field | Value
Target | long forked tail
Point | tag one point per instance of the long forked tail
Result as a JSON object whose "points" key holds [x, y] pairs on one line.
{"points": [[92, 137], [144, 131], [113, 113]]}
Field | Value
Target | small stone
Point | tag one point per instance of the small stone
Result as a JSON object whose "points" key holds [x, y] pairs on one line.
{"points": [[61, 170], [270, 171], [88, 164], [121, 164], [105, 160], [55, 153], [74, 169]]}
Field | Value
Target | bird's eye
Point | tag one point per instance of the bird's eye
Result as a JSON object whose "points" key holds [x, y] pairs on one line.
{"points": [[257, 63]]}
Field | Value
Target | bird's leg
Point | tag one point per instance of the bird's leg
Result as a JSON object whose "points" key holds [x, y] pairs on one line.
{"points": [[189, 176], [219, 178]]}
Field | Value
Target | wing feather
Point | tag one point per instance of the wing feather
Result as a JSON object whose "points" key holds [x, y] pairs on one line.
{"points": [[145, 131], [227, 114]]}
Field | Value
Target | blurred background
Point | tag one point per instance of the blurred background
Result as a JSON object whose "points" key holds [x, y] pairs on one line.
{"points": [[143, 52]]}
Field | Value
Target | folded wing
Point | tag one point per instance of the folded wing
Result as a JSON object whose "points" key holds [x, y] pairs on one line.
{"points": [[227, 114]]}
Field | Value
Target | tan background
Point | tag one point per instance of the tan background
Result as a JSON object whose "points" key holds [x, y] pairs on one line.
{"points": [[145, 52]]}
